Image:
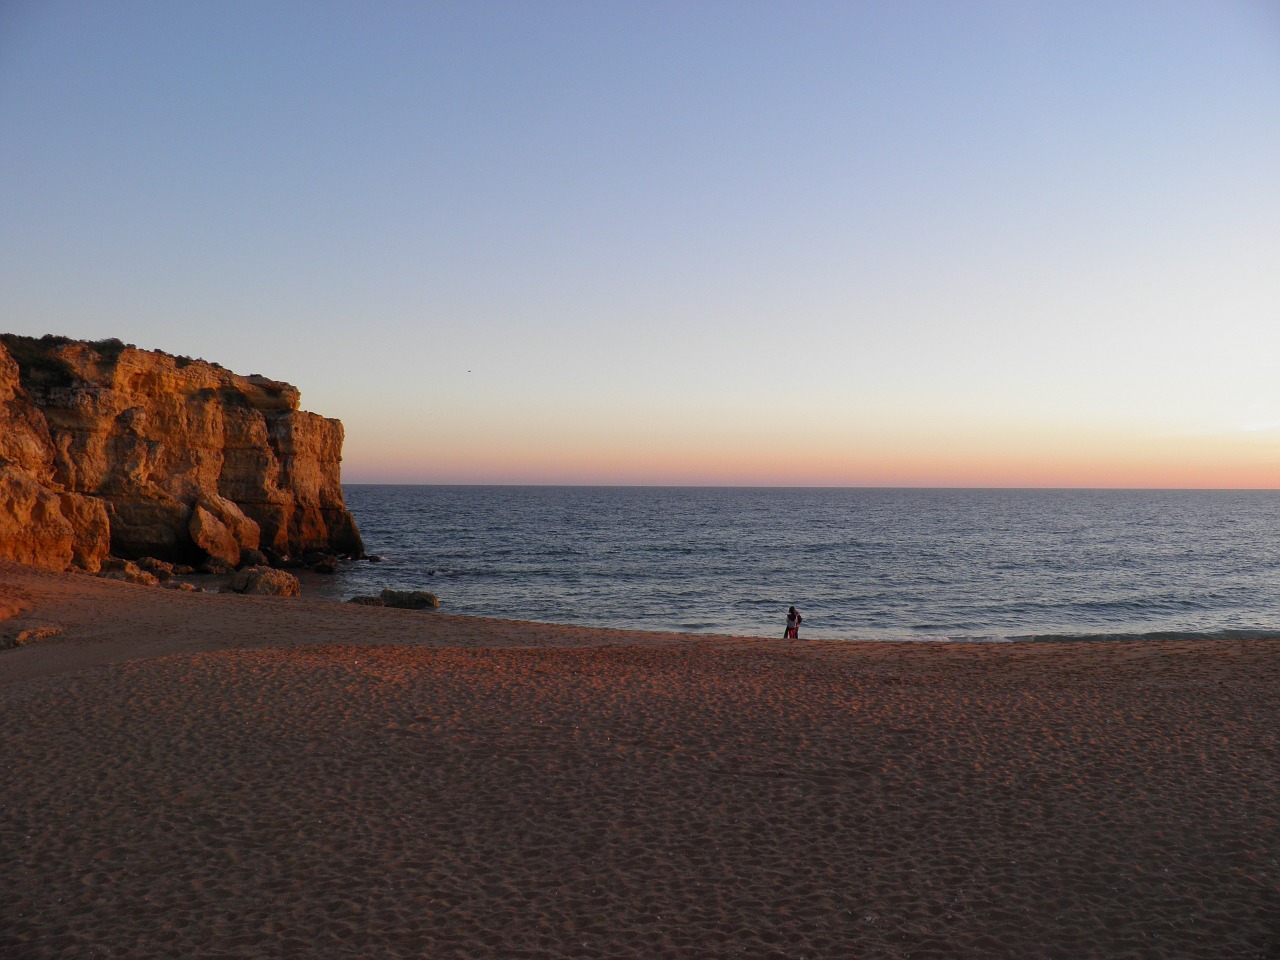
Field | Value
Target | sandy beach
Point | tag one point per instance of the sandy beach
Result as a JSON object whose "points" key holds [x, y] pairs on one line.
{"points": [[193, 775]]}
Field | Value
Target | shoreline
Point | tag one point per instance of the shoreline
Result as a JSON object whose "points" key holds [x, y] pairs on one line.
{"points": [[99, 621], [218, 775]]}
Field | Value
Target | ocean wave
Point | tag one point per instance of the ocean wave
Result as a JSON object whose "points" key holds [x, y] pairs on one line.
{"points": [[976, 566], [1256, 633]]}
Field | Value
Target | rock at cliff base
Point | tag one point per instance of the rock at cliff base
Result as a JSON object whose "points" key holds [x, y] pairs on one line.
{"points": [[266, 582], [254, 558], [128, 572], [409, 599], [33, 529], [90, 530], [246, 532], [213, 536], [158, 568]]}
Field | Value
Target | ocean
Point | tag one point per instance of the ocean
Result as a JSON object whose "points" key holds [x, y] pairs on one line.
{"points": [[877, 564]]}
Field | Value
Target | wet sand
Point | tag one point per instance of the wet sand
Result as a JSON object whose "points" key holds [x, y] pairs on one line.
{"points": [[219, 776]]}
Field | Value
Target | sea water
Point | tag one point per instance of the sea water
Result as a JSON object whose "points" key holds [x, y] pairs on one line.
{"points": [[880, 564]]}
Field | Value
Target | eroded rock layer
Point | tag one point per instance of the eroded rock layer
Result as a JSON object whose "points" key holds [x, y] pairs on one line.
{"points": [[105, 448]]}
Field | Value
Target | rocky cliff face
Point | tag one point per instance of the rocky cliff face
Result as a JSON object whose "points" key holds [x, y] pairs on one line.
{"points": [[107, 448]]}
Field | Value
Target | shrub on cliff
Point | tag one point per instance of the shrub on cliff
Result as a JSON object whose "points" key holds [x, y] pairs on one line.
{"points": [[37, 365]]}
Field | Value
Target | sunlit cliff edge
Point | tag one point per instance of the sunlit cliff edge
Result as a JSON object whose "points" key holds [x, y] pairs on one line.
{"points": [[108, 449]]}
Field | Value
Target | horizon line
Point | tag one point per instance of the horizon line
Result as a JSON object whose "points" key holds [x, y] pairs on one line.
{"points": [[801, 486]]}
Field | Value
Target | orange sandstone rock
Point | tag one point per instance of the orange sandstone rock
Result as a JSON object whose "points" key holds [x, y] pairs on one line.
{"points": [[264, 581], [104, 447]]}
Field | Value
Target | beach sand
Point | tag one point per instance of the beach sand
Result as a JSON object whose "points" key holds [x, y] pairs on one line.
{"points": [[222, 776]]}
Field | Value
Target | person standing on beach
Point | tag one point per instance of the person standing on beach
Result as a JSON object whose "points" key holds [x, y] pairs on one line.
{"points": [[793, 624]]}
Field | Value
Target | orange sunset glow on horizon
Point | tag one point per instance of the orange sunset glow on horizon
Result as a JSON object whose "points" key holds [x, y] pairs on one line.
{"points": [[1242, 461]]}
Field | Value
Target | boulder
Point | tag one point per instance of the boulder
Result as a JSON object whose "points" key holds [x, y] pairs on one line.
{"points": [[216, 567], [214, 537], [409, 599], [129, 572], [254, 558], [158, 568], [246, 532], [265, 581], [368, 601]]}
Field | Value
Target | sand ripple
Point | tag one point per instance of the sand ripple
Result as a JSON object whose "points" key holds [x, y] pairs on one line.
{"points": [[634, 802]]}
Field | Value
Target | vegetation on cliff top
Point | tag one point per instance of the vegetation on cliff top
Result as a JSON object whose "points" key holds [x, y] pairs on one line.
{"points": [[40, 367]]}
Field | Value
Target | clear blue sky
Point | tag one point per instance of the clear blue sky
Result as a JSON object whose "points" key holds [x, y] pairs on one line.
{"points": [[957, 243]]}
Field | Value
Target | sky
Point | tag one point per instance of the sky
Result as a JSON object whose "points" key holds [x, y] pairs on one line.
{"points": [[838, 244]]}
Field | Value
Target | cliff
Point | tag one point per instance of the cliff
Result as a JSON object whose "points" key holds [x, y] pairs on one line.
{"points": [[107, 448]]}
